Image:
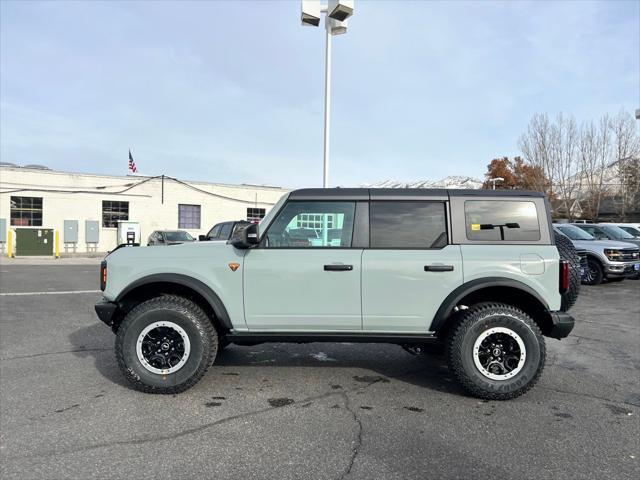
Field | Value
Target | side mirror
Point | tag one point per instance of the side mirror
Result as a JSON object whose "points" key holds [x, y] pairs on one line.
{"points": [[202, 238], [245, 237]]}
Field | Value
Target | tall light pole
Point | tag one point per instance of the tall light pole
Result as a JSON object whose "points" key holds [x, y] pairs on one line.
{"points": [[496, 179], [336, 14]]}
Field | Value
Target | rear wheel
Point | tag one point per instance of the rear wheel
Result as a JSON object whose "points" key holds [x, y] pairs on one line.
{"points": [[496, 351], [594, 274], [165, 345]]}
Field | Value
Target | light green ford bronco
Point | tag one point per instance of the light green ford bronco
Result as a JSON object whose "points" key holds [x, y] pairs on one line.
{"points": [[475, 270]]}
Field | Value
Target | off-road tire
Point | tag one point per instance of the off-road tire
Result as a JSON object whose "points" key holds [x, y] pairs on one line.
{"points": [[476, 320], [595, 275], [568, 252], [189, 316]]}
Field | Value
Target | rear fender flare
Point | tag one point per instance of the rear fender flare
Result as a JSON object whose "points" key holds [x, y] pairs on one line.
{"points": [[453, 299]]}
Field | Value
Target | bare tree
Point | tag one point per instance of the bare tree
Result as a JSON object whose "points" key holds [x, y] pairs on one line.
{"points": [[535, 144], [553, 147], [626, 151], [595, 155]]}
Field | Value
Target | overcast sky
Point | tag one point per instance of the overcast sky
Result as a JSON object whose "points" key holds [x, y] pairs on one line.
{"points": [[233, 91]]}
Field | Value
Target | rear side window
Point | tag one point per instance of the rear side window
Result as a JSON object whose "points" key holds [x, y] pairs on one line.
{"points": [[399, 224], [498, 220]]}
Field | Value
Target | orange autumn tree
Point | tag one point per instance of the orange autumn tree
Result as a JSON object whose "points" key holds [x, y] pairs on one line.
{"points": [[517, 175]]}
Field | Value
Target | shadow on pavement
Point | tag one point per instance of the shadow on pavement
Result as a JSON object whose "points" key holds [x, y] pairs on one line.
{"points": [[384, 361]]}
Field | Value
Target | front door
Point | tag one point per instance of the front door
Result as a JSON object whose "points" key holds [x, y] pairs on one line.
{"points": [[305, 275], [410, 268]]}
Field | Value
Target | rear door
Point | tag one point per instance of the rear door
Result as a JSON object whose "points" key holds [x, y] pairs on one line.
{"points": [[410, 268]]}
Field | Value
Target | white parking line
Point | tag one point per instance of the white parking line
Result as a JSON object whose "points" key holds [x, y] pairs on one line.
{"points": [[20, 294]]}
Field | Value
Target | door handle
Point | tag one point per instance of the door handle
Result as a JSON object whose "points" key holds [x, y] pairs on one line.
{"points": [[338, 268], [438, 268]]}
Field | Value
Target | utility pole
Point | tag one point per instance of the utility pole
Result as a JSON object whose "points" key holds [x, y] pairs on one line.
{"points": [[336, 14]]}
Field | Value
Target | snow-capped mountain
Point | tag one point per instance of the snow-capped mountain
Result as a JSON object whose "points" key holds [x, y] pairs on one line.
{"points": [[454, 181]]}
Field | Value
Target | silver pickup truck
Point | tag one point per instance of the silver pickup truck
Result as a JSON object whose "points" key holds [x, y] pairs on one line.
{"points": [[606, 259]]}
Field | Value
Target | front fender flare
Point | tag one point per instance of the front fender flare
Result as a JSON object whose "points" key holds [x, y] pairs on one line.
{"points": [[194, 284]]}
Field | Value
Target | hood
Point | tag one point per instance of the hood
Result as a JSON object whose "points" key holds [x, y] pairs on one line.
{"points": [[604, 244], [178, 249]]}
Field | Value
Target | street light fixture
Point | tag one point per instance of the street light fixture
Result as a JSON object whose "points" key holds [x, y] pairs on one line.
{"points": [[496, 179], [336, 14]]}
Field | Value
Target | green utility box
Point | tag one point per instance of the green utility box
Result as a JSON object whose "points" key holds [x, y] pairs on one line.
{"points": [[34, 241]]}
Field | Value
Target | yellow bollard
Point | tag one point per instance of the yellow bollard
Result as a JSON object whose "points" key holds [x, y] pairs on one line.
{"points": [[10, 244], [57, 244]]}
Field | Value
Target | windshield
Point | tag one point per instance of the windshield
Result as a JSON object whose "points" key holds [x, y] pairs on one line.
{"points": [[633, 231], [616, 232], [574, 233], [266, 220], [178, 236]]}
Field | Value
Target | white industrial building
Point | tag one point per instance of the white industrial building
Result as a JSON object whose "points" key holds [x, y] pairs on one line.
{"points": [[86, 209]]}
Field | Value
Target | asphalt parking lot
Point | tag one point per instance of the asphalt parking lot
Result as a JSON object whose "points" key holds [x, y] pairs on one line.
{"points": [[315, 411]]}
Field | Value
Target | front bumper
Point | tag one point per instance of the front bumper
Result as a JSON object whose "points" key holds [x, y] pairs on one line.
{"points": [[562, 325], [106, 311], [626, 269]]}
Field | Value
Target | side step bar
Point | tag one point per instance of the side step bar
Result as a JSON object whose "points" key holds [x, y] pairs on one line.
{"points": [[311, 337]]}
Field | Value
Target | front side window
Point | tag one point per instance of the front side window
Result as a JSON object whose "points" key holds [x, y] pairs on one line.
{"points": [[498, 220], [213, 233], [400, 224], [225, 231], [113, 211], [312, 224], [26, 211], [188, 216]]}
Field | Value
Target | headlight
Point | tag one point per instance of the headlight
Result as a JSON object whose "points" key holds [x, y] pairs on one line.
{"points": [[612, 254]]}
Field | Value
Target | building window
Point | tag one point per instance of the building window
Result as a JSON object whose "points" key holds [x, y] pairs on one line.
{"points": [[254, 214], [314, 221], [399, 224], [493, 220], [189, 216], [26, 211], [113, 211]]}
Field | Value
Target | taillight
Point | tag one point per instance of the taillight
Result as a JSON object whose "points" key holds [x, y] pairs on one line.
{"points": [[564, 276], [103, 275]]}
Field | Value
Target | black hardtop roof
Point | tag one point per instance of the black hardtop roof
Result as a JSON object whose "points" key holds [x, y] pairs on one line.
{"points": [[398, 193]]}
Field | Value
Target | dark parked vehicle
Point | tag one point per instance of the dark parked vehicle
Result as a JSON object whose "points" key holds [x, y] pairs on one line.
{"points": [[223, 231], [169, 237]]}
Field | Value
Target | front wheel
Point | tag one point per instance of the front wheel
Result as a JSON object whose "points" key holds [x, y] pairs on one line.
{"points": [[594, 274], [165, 345], [496, 351]]}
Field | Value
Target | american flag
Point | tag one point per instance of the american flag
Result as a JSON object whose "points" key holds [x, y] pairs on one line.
{"points": [[132, 164]]}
